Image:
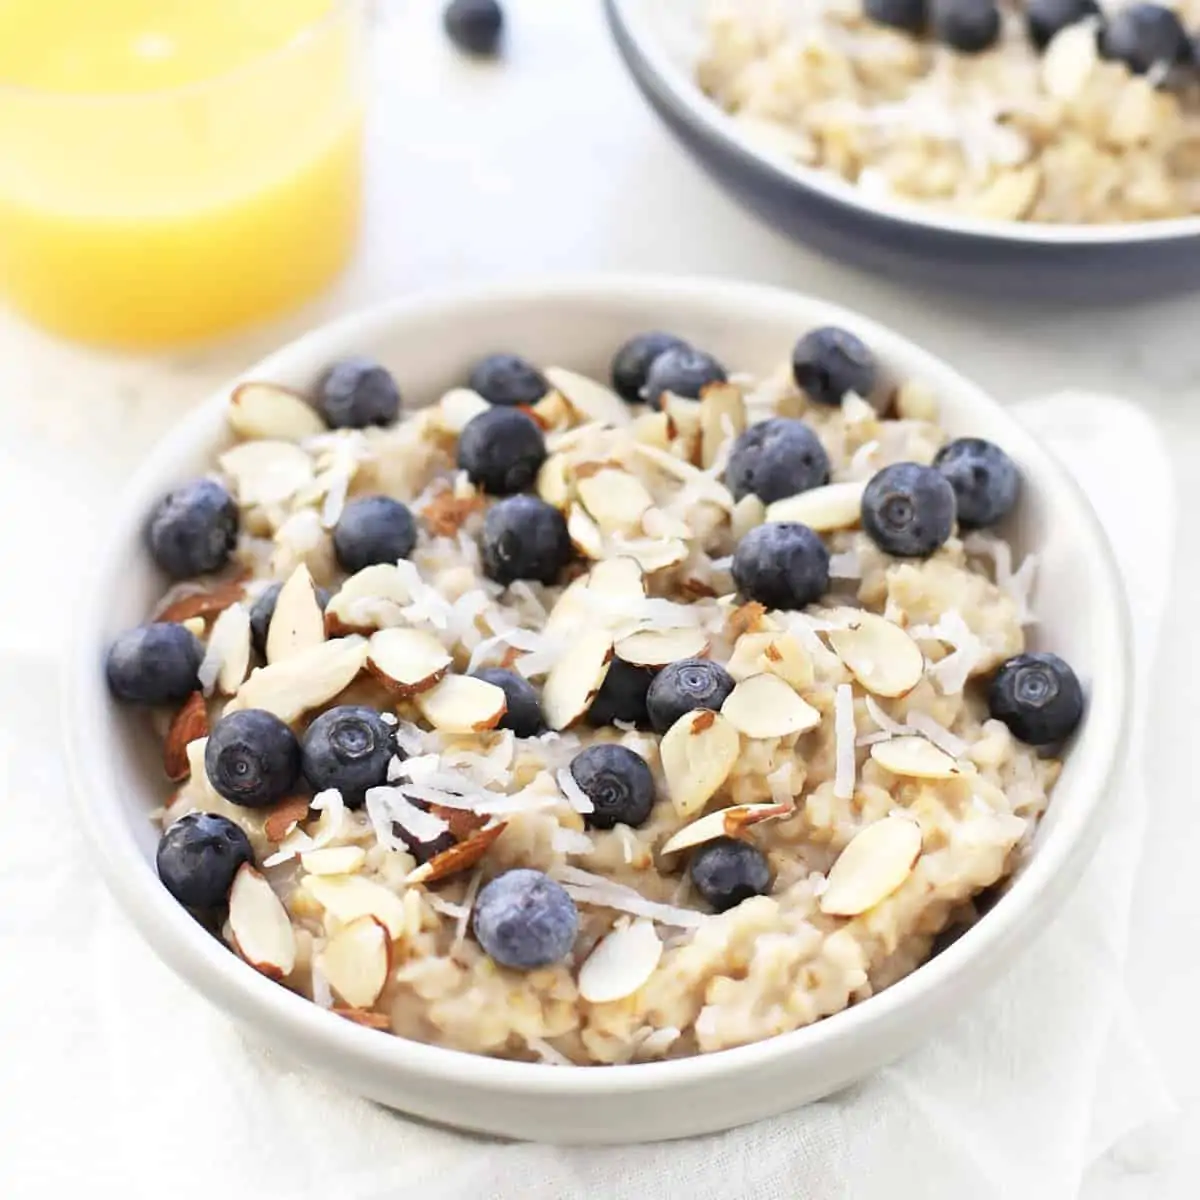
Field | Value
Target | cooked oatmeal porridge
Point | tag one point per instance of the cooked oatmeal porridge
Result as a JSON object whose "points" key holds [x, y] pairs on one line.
{"points": [[1051, 110], [588, 724]]}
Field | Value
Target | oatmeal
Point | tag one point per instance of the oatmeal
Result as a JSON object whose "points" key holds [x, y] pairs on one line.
{"points": [[593, 725]]}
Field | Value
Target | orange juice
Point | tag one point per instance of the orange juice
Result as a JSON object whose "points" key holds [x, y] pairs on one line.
{"points": [[173, 168]]}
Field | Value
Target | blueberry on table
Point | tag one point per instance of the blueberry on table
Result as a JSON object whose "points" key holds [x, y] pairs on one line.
{"points": [[252, 758], [474, 26], [154, 664], [908, 510], [193, 529], [524, 538], [508, 380], [909, 15], [683, 686], [631, 363], [358, 392], [1143, 36], [524, 920], [501, 451], [985, 480], [682, 371], [622, 696], [263, 609], [829, 362], [617, 781], [1045, 18], [775, 459], [349, 748], [968, 26], [782, 564], [1038, 697], [524, 712], [198, 856], [728, 871], [373, 529]]}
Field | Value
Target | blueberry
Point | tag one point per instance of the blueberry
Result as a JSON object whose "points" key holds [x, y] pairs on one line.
{"points": [[474, 26], [348, 748], [681, 371], [358, 392], [524, 920], [908, 510], [968, 26], [683, 686], [775, 459], [501, 451], [909, 15], [524, 538], [252, 758], [985, 480], [263, 609], [622, 695], [631, 363], [199, 855], [1144, 35], [154, 664], [617, 781], [829, 362], [782, 564], [1038, 697], [524, 713], [508, 380], [1045, 18], [373, 529], [728, 871], [193, 529]]}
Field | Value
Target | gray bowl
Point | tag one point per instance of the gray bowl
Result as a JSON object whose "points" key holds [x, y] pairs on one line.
{"points": [[659, 40]]}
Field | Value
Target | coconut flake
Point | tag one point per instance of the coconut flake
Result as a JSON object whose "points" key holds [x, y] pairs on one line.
{"points": [[845, 565], [885, 723], [410, 738], [468, 903], [605, 893], [843, 733], [322, 994], [938, 734], [571, 841], [577, 798], [389, 806], [447, 908], [547, 1054], [952, 672]]}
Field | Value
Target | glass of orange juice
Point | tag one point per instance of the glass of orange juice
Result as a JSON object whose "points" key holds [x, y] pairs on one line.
{"points": [[172, 169]]}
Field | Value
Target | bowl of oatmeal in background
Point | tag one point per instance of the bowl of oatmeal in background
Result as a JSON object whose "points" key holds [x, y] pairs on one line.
{"points": [[428, 344], [1050, 173]]}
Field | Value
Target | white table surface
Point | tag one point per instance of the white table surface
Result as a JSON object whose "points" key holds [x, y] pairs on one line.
{"points": [[551, 162]]}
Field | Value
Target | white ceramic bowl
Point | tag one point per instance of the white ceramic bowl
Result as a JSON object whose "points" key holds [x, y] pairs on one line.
{"points": [[428, 341]]}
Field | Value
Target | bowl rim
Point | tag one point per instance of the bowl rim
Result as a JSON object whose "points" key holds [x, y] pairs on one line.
{"points": [[289, 1019], [653, 65]]}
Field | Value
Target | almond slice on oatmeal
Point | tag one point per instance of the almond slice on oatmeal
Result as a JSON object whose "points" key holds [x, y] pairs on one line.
{"points": [[260, 926], [202, 605], [333, 860], [284, 817], [697, 754], [748, 513], [651, 554], [462, 704], [570, 609], [764, 706], [588, 398], [875, 862], [776, 653], [880, 655], [726, 822], [357, 960], [305, 681], [914, 757], [407, 661], [367, 596], [347, 897], [722, 418], [621, 962], [272, 412], [227, 656], [554, 482], [824, 509], [266, 472], [457, 408], [458, 858], [297, 624], [576, 677], [659, 647], [615, 499], [584, 533], [619, 577], [188, 724]]}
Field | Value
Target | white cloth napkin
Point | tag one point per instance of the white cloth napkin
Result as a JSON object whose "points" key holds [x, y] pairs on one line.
{"points": [[115, 1077]]}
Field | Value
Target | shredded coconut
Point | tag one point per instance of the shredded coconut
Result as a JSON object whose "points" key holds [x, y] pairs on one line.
{"points": [[846, 565], [388, 805], [576, 797], [843, 732], [952, 672], [596, 889], [547, 1052], [938, 734], [885, 723], [322, 994], [571, 841]]}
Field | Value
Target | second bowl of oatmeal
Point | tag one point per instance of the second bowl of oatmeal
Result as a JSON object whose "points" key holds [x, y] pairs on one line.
{"points": [[571, 731], [1024, 150]]}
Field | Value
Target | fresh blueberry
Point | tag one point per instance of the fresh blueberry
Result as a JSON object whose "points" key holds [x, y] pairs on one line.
{"points": [[775, 459], [524, 538], [631, 363], [154, 664], [524, 920], [685, 685], [1038, 697], [199, 855], [524, 713], [617, 781], [782, 564], [508, 380], [829, 362], [1144, 35], [728, 871], [985, 480], [968, 26], [622, 695], [908, 510], [681, 371], [373, 529], [252, 758], [358, 392], [1045, 18], [193, 529], [501, 451], [263, 609], [348, 748], [909, 15], [474, 26]]}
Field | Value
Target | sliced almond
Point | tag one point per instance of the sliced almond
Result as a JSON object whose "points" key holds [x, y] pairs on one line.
{"points": [[554, 483], [877, 860], [774, 653], [880, 655], [202, 604], [227, 658], [361, 1016], [584, 532], [462, 704], [748, 513], [824, 509], [297, 624], [457, 408], [462, 821], [196, 626], [658, 647], [652, 554], [722, 418], [267, 472], [284, 817], [570, 609], [458, 858], [357, 960], [260, 925], [659, 524], [377, 587], [305, 681], [653, 429], [697, 753], [763, 706], [1069, 61], [272, 412], [574, 680], [552, 412], [589, 398], [620, 963], [915, 757], [746, 618], [619, 577], [726, 822], [686, 434], [334, 860], [347, 897], [188, 724], [446, 513], [615, 499], [407, 661]]}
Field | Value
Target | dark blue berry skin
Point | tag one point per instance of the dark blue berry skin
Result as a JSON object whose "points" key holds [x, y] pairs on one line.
{"points": [[524, 920], [1045, 18], [501, 451], [1144, 35], [154, 664], [681, 371], [968, 26], [252, 758], [782, 564], [524, 538], [474, 26], [263, 609], [631, 363], [775, 459], [728, 871], [524, 713], [909, 15], [193, 529], [908, 510], [622, 696], [684, 686], [358, 392], [508, 380], [829, 362], [373, 529], [617, 781], [348, 748], [198, 856], [1038, 697], [985, 480]]}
